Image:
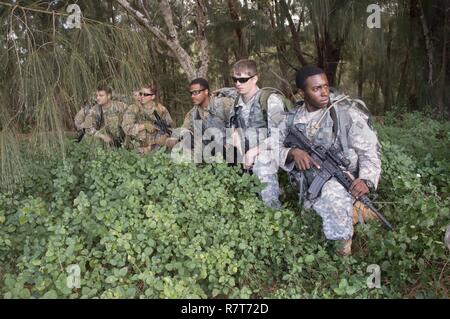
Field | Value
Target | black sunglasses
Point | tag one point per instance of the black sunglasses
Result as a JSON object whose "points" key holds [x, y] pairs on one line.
{"points": [[242, 80], [196, 92], [146, 94]]}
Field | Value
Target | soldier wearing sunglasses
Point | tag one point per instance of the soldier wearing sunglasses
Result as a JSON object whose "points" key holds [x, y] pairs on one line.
{"points": [[209, 111], [248, 118], [139, 122]]}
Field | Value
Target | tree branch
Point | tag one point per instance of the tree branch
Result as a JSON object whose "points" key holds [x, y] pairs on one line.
{"points": [[171, 40], [295, 35], [201, 32]]}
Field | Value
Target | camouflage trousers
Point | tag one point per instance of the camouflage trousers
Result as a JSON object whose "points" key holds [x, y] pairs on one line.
{"points": [[335, 207], [266, 169]]}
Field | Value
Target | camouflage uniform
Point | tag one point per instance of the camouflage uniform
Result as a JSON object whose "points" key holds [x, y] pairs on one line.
{"points": [[257, 127], [150, 138], [112, 117], [335, 204], [110, 125], [214, 116]]}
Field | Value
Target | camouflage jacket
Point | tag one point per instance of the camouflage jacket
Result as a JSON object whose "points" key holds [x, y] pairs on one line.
{"points": [[363, 151], [216, 115], [136, 115], [108, 122]]}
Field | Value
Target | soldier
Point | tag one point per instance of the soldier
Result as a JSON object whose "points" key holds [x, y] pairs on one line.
{"points": [[102, 121], [139, 122], [136, 97], [249, 116], [209, 111], [348, 132], [88, 119]]}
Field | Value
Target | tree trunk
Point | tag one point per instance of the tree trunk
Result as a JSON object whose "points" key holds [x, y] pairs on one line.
{"points": [[428, 44], [413, 18], [239, 29], [225, 68], [276, 21], [361, 76], [296, 44], [331, 55], [171, 39], [441, 92], [385, 82]]}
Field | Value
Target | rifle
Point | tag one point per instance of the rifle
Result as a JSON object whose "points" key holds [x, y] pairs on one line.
{"points": [[80, 135], [98, 119], [237, 122], [161, 124], [330, 162]]}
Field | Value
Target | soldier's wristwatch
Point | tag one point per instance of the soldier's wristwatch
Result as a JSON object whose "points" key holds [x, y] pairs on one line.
{"points": [[369, 184]]}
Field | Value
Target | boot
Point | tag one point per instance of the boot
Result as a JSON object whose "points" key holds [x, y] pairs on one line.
{"points": [[344, 247]]}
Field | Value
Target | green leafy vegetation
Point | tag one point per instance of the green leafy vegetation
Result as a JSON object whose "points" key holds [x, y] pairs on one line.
{"points": [[146, 227]]}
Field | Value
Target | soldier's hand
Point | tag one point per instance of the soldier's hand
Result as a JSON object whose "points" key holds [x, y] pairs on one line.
{"points": [[302, 159], [148, 127], [359, 188], [105, 138], [249, 157], [171, 142]]}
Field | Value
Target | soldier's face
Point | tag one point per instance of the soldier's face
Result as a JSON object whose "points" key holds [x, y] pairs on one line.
{"points": [[199, 95], [317, 92], [244, 81], [102, 97], [136, 97], [146, 96]]}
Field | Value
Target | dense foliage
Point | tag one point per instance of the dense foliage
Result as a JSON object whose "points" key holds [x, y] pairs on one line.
{"points": [[146, 227]]}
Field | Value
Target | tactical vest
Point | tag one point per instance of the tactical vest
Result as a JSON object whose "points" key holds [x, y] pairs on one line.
{"points": [[196, 117], [146, 115], [211, 121], [93, 114], [335, 126], [333, 131], [258, 109], [257, 116], [112, 121]]}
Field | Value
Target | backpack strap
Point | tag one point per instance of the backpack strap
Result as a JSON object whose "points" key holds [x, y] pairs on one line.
{"points": [[290, 118], [341, 125], [365, 110], [263, 102], [266, 92], [335, 119]]}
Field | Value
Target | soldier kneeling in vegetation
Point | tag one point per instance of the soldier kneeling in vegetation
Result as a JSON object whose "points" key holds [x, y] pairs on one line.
{"points": [[147, 123], [208, 111], [332, 122], [102, 121]]}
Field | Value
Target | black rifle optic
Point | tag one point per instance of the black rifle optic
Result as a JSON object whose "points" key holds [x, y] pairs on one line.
{"points": [[331, 162]]}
